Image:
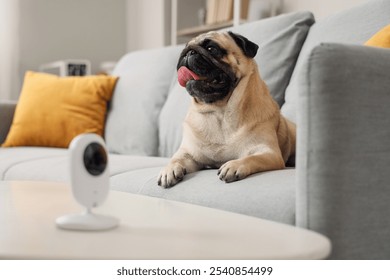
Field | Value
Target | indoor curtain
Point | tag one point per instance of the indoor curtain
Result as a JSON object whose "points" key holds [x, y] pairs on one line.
{"points": [[9, 50]]}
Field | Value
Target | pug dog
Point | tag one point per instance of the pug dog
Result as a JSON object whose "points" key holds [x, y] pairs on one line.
{"points": [[233, 123]]}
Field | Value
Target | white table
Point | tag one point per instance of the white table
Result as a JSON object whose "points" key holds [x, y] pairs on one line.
{"points": [[150, 228]]}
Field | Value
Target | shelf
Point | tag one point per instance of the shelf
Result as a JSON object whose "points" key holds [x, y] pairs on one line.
{"points": [[187, 7]]}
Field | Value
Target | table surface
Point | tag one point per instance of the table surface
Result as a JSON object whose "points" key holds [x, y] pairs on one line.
{"points": [[150, 228]]}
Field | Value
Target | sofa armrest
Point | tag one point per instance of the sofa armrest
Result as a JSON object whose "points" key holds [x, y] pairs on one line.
{"points": [[343, 149], [7, 109]]}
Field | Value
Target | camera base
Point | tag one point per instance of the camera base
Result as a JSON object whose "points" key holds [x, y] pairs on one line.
{"points": [[87, 221]]}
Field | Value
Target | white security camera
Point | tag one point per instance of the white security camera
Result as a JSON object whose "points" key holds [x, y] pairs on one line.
{"points": [[89, 170], [89, 175]]}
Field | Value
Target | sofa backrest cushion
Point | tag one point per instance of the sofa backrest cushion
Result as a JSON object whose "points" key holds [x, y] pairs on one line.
{"points": [[171, 119], [280, 40], [141, 91], [352, 26]]}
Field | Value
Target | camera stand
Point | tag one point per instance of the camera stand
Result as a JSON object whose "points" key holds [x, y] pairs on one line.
{"points": [[87, 221]]}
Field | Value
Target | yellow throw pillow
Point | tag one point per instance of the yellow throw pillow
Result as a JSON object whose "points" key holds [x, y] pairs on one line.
{"points": [[52, 110], [380, 39]]}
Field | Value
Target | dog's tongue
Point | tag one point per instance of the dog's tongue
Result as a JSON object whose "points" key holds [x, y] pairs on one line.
{"points": [[184, 75]]}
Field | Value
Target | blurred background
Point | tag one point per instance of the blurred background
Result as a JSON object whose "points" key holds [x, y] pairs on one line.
{"points": [[36, 32]]}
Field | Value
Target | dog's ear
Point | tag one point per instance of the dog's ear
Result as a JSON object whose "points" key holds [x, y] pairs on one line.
{"points": [[248, 48]]}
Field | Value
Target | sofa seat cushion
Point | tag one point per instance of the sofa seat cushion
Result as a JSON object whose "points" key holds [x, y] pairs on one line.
{"points": [[12, 157], [45, 164], [267, 195]]}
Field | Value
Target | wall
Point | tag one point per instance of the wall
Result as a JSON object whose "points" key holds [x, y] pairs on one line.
{"points": [[59, 29], [320, 9], [9, 48], [148, 23]]}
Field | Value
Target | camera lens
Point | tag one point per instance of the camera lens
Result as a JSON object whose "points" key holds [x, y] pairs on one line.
{"points": [[95, 159]]}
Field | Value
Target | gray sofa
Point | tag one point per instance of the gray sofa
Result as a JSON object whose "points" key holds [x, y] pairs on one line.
{"points": [[335, 89]]}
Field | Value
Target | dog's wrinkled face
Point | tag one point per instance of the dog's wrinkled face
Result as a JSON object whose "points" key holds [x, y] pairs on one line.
{"points": [[210, 66]]}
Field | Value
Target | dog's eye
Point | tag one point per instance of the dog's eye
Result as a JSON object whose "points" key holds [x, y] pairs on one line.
{"points": [[212, 50]]}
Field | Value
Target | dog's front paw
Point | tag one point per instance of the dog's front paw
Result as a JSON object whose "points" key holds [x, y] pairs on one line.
{"points": [[233, 170], [171, 175]]}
